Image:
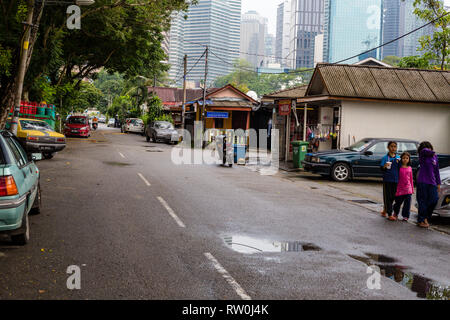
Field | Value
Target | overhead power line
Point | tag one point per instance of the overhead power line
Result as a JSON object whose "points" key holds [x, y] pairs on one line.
{"points": [[311, 69]]}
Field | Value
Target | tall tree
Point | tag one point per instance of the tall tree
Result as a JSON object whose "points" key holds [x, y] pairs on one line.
{"points": [[121, 35], [437, 46]]}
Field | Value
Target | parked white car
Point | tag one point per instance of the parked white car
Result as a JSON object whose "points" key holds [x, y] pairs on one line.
{"points": [[133, 125], [111, 122], [443, 205]]}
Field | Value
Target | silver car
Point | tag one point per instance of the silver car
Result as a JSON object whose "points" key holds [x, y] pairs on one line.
{"points": [[133, 125], [162, 130], [443, 205]]}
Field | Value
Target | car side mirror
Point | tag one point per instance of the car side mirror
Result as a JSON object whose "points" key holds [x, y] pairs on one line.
{"points": [[368, 153]]}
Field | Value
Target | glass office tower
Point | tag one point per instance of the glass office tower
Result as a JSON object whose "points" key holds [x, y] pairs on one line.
{"points": [[352, 27]]}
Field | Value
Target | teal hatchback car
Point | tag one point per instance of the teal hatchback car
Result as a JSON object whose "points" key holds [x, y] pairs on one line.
{"points": [[20, 192]]}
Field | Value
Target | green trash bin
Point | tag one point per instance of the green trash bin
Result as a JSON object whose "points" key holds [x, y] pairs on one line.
{"points": [[300, 149]]}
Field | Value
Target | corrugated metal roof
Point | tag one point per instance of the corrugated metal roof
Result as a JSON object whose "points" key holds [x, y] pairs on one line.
{"points": [[390, 84], [239, 104], [361, 81], [437, 84], [336, 80], [416, 86], [295, 92]]}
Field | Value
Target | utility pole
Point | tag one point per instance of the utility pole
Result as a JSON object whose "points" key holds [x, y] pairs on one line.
{"points": [[22, 67], [183, 110], [204, 85]]}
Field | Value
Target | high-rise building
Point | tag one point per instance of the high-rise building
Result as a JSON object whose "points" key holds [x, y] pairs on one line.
{"points": [[175, 48], [212, 23], [283, 32], [269, 50], [411, 44], [393, 27], [307, 21], [253, 32], [352, 27], [318, 49]]}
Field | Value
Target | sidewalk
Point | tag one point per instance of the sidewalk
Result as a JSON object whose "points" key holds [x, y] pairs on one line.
{"points": [[363, 192]]}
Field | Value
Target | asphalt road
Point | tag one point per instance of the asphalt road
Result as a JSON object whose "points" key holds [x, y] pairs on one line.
{"points": [[141, 227]]}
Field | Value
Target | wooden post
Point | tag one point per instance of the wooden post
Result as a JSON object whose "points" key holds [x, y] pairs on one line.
{"points": [[305, 115]]}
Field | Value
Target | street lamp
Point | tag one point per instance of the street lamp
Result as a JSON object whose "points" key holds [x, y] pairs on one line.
{"points": [[24, 55]]}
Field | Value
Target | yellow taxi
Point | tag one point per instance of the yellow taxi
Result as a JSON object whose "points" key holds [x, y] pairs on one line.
{"points": [[37, 136]]}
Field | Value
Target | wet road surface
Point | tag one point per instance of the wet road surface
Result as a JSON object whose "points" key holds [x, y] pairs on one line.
{"points": [[140, 227]]}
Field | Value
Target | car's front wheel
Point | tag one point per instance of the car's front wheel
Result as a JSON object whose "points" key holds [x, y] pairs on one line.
{"points": [[341, 172]]}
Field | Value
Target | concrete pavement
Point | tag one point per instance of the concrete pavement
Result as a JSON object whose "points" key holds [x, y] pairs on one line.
{"points": [[141, 227]]}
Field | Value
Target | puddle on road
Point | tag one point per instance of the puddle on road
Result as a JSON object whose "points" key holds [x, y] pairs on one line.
{"points": [[118, 164], [425, 288], [250, 245]]}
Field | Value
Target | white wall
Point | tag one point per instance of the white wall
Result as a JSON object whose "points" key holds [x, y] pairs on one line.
{"points": [[396, 120]]}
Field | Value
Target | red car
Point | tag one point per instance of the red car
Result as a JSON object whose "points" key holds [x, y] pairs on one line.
{"points": [[77, 126]]}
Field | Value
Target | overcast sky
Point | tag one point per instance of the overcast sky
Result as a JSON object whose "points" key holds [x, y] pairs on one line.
{"points": [[268, 9]]}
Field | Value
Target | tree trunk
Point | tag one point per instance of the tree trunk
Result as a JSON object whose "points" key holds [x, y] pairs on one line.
{"points": [[8, 94]]}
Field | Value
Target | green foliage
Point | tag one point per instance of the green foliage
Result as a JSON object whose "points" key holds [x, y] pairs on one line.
{"points": [[120, 106], [111, 86], [437, 46], [165, 117], [121, 36], [392, 60], [245, 79], [5, 61], [155, 108], [414, 62]]}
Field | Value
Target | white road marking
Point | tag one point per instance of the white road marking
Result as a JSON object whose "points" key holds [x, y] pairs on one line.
{"points": [[233, 283], [172, 214], [143, 179], [121, 154]]}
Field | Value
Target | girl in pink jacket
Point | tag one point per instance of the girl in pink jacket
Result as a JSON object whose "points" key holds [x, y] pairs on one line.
{"points": [[405, 187]]}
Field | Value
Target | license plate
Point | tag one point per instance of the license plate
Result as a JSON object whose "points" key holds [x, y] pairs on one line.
{"points": [[75, 131]]}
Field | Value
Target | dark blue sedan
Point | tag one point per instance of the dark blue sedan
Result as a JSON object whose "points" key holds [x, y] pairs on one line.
{"points": [[361, 159]]}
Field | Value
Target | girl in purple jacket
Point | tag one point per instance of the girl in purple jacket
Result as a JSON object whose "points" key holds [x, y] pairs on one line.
{"points": [[428, 183]]}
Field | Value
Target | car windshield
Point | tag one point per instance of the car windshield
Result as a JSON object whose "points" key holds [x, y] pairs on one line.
{"points": [[77, 120], [358, 146], [35, 125], [164, 125]]}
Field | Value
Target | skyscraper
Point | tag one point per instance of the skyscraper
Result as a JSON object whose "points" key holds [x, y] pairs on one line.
{"points": [[411, 44], [283, 32], [393, 27], [269, 49], [253, 32], [212, 23], [307, 20], [352, 27]]}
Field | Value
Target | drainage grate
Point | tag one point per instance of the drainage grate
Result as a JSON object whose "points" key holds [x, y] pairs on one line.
{"points": [[363, 201]]}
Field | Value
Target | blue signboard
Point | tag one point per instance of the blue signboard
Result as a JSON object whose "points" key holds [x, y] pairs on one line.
{"points": [[222, 115]]}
